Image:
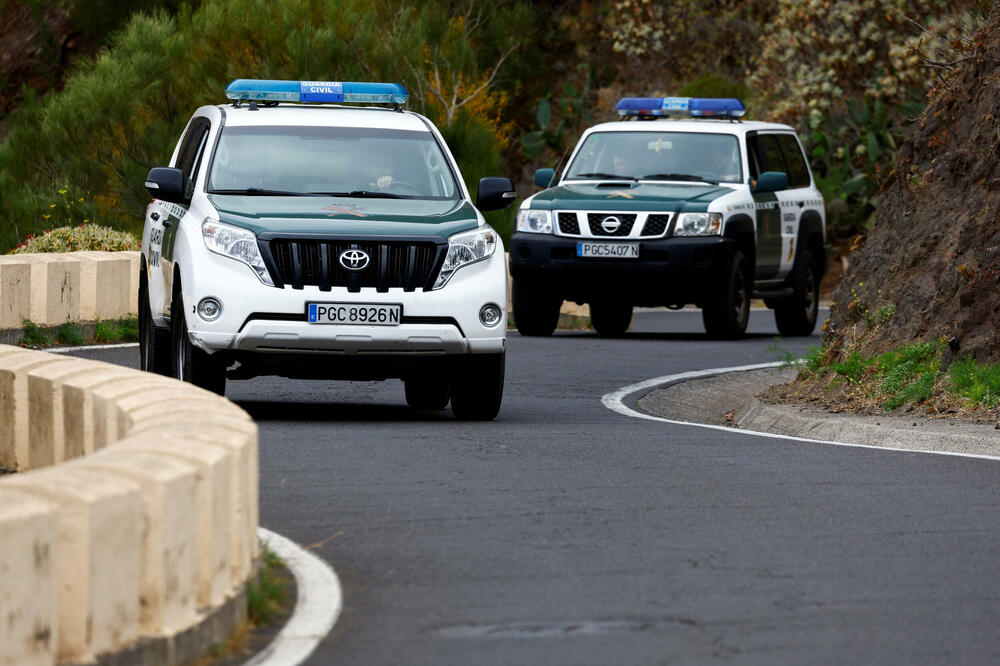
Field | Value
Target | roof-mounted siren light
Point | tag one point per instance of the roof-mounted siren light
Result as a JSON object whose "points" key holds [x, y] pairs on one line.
{"points": [[262, 90], [696, 107]]}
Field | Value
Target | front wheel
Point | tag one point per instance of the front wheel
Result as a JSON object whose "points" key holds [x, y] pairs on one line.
{"points": [[477, 387], [154, 343], [610, 318], [726, 316], [190, 363], [426, 393], [536, 311], [797, 316]]}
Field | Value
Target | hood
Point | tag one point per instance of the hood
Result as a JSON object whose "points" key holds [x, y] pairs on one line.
{"points": [[671, 197], [346, 216]]}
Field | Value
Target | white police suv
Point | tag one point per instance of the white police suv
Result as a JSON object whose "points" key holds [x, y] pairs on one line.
{"points": [[707, 210], [293, 235]]}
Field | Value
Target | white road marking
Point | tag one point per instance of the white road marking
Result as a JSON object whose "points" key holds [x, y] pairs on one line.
{"points": [[615, 402], [67, 350], [317, 605]]}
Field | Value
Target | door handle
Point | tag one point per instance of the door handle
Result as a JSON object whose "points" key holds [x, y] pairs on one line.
{"points": [[168, 223]]}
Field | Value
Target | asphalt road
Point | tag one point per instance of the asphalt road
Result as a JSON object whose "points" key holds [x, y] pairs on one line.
{"points": [[564, 533]]}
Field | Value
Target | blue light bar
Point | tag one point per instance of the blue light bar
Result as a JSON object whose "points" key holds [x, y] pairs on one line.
{"points": [[697, 107], [262, 90]]}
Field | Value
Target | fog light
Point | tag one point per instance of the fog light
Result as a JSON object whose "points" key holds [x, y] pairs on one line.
{"points": [[490, 315], [209, 309]]}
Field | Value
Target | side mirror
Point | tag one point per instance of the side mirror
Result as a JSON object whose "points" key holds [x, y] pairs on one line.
{"points": [[544, 177], [495, 193], [771, 181], [168, 184]]}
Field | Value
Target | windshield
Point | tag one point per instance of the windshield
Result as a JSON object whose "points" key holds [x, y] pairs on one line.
{"points": [[343, 161], [713, 158]]}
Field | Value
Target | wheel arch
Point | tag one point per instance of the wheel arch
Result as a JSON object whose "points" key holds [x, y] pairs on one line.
{"points": [[741, 229], [811, 238]]}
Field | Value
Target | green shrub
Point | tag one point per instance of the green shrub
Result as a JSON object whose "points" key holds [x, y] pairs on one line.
{"points": [[82, 237], [977, 382]]}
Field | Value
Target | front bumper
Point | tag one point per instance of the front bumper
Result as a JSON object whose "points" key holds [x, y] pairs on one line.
{"points": [[668, 271], [260, 319]]}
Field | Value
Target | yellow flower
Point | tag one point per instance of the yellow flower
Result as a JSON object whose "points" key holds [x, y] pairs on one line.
{"points": [[62, 191], [45, 217], [86, 220], [52, 205]]}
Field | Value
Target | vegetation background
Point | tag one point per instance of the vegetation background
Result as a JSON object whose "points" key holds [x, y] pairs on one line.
{"points": [[98, 92]]}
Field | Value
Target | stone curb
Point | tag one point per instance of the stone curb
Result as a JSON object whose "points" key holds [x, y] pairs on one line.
{"points": [[705, 400]]}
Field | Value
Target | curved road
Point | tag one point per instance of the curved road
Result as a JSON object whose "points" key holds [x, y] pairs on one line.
{"points": [[564, 533]]}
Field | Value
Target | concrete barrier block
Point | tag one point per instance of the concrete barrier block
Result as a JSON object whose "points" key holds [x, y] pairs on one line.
{"points": [[213, 518], [110, 422], [135, 261], [46, 425], [169, 501], [28, 579], [15, 291], [100, 523], [55, 292], [242, 444], [15, 441], [79, 415], [105, 285]]}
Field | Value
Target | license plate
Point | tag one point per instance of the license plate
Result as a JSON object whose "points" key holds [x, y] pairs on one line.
{"points": [[608, 250], [371, 314]]}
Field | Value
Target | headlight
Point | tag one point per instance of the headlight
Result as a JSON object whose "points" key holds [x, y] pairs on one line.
{"points": [[534, 221], [698, 224], [466, 248], [236, 243]]}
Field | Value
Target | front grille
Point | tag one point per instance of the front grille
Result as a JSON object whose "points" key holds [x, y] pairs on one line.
{"points": [[568, 224], [314, 262], [595, 219], [655, 225]]}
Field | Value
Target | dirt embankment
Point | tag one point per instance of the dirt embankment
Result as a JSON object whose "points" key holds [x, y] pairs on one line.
{"points": [[930, 267]]}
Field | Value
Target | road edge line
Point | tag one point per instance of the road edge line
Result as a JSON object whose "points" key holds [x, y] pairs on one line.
{"points": [[317, 606], [66, 350], [615, 401]]}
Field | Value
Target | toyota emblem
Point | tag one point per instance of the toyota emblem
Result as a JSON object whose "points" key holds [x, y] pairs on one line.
{"points": [[611, 224], [354, 260]]}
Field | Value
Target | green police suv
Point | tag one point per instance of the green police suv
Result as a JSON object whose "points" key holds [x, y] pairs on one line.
{"points": [[655, 210]]}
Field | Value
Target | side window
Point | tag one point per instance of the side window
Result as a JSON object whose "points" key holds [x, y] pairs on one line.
{"points": [[770, 153], [190, 148], [753, 156], [798, 172]]}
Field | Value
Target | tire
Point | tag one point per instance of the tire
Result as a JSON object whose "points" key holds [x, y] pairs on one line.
{"points": [[726, 318], [189, 363], [426, 393], [796, 316], [536, 311], [477, 392], [609, 318], [154, 343]]}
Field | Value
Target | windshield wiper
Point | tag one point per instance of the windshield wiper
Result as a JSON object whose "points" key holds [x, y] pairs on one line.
{"points": [[364, 194], [258, 191], [598, 174], [677, 176]]}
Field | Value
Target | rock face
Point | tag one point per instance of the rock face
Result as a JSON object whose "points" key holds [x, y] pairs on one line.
{"points": [[930, 267]]}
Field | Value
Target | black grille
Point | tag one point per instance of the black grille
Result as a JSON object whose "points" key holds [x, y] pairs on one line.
{"points": [[568, 224], [405, 264], [655, 225], [595, 219]]}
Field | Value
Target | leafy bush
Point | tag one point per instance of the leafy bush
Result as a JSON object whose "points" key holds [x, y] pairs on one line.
{"points": [[122, 113], [82, 237]]}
